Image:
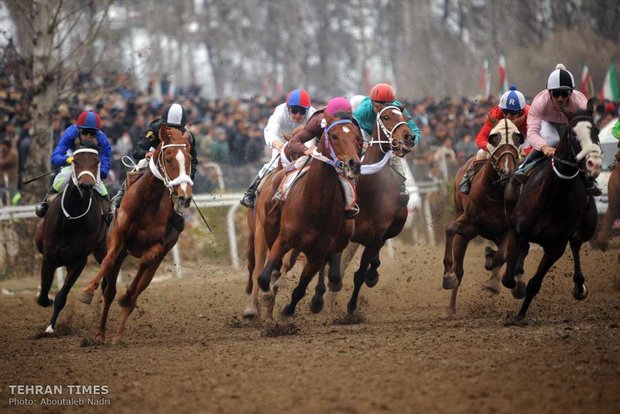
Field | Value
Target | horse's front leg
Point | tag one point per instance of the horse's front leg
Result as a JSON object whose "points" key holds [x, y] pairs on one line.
{"points": [[359, 277], [73, 272], [109, 292], [512, 257], [274, 261], [552, 254], [313, 264], [149, 263], [47, 276], [449, 278], [580, 292], [111, 264], [459, 248], [316, 305]]}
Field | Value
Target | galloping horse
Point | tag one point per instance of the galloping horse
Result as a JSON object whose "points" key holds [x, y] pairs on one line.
{"points": [[613, 207], [145, 224], [312, 219], [481, 212], [554, 208], [72, 229], [381, 215]]}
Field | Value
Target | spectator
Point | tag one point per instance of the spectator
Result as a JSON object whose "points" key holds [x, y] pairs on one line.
{"points": [[9, 171]]}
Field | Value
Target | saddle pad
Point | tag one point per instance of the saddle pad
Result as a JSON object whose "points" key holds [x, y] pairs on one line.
{"points": [[290, 179]]}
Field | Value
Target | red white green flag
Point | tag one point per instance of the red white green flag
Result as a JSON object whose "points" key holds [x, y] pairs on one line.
{"points": [[609, 90], [586, 87]]}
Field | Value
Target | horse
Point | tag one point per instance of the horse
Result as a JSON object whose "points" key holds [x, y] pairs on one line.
{"points": [[147, 225], [72, 229], [613, 208], [312, 219], [382, 216], [553, 209], [481, 212]]}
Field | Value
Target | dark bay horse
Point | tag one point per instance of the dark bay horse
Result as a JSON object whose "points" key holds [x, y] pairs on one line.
{"points": [[72, 229], [312, 219], [481, 212], [553, 208], [381, 216], [145, 225], [613, 208]]}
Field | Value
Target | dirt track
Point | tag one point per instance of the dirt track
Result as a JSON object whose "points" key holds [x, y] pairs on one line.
{"points": [[188, 350]]}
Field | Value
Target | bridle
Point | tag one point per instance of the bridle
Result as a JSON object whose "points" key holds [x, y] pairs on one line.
{"points": [[507, 149], [160, 172], [384, 131], [572, 153], [333, 159], [75, 179]]}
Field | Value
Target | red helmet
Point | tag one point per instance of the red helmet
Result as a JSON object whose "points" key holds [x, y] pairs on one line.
{"points": [[382, 92], [89, 120]]}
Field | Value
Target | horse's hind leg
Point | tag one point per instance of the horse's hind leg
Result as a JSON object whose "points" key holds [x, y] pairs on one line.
{"points": [[111, 263], [359, 277], [580, 292], [459, 248], [316, 305], [552, 254], [449, 278], [47, 276], [73, 272], [109, 293], [313, 264]]}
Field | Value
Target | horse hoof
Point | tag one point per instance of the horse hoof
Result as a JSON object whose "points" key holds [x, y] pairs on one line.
{"points": [[450, 281], [491, 287], [287, 310], [351, 308], [118, 341], [316, 305], [334, 287], [49, 330], [124, 301], [281, 282], [517, 320], [371, 281], [45, 301], [85, 297], [509, 282], [250, 312], [518, 292], [263, 283], [580, 294]]}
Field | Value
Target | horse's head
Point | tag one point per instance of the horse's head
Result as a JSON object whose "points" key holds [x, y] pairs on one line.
{"points": [[340, 145], [86, 167], [173, 160], [505, 139], [581, 137], [392, 129]]}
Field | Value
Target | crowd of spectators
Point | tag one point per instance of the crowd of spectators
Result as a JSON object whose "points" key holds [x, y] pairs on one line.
{"points": [[229, 132]]}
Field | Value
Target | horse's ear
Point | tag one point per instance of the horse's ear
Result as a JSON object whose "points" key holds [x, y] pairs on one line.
{"points": [[518, 121], [492, 120], [592, 102], [187, 136], [163, 132]]}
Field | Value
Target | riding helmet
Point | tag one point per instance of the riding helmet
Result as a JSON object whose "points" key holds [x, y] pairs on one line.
{"points": [[298, 97], [382, 92], [512, 100], [560, 78], [175, 115], [89, 120], [338, 104]]}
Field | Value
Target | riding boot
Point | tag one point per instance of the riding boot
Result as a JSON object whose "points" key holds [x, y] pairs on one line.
{"points": [[403, 195], [116, 200], [592, 187], [108, 216], [522, 173], [250, 194], [465, 185], [41, 208]]}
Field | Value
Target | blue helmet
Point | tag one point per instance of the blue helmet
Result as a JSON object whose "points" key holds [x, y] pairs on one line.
{"points": [[512, 100]]}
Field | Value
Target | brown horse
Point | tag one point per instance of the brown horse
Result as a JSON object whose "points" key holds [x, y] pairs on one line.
{"points": [[481, 212], [312, 219], [72, 229], [553, 208], [381, 216], [146, 224], [613, 207]]}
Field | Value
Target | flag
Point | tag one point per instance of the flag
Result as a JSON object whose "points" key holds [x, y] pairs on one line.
{"points": [[171, 88], [485, 80], [586, 87], [609, 90], [502, 80]]}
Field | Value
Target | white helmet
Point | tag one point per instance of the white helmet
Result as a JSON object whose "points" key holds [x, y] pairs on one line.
{"points": [[560, 78], [355, 101]]}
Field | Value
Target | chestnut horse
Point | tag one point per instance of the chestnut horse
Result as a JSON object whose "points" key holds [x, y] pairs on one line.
{"points": [[145, 224], [312, 219], [381, 216], [554, 209], [72, 229], [613, 207], [481, 212]]}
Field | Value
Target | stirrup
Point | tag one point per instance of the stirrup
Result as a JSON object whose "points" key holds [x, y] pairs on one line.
{"points": [[248, 200], [108, 217], [594, 190], [464, 187], [352, 212]]}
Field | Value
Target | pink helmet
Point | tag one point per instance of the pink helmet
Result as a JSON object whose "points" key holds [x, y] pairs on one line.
{"points": [[338, 104]]}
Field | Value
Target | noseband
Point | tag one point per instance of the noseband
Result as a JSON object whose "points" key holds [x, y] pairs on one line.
{"points": [[572, 154], [334, 161], [155, 169], [75, 179]]}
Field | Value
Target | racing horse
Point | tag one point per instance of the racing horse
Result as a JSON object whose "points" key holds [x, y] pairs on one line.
{"points": [[147, 225], [72, 229], [312, 219], [481, 212], [554, 209], [613, 207], [381, 216]]}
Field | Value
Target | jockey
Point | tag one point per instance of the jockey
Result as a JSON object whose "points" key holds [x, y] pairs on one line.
{"points": [[303, 143], [511, 106], [173, 116], [366, 115], [285, 118], [87, 129], [546, 121]]}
